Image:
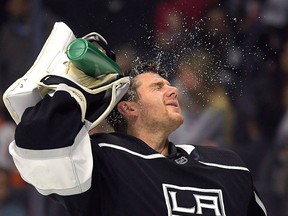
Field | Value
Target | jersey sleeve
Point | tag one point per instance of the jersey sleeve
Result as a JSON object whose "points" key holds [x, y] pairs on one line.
{"points": [[256, 206], [52, 148]]}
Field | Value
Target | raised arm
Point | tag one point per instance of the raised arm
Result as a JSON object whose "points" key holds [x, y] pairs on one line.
{"points": [[55, 104]]}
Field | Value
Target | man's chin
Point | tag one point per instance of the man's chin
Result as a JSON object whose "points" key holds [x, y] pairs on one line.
{"points": [[177, 120]]}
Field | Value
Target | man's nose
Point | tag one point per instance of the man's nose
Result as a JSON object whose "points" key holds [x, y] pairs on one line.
{"points": [[172, 92]]}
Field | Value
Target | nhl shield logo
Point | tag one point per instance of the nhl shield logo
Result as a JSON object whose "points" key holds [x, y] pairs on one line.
{"points": [[181, 160]]}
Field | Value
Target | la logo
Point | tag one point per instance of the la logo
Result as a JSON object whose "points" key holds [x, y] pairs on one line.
{"points": [[193, 201]]}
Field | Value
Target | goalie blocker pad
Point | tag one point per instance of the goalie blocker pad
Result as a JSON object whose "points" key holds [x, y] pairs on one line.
{"points": [[51, 68]]}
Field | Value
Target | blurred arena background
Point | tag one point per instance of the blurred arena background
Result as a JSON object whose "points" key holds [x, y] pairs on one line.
{"points": [[225, 55]]}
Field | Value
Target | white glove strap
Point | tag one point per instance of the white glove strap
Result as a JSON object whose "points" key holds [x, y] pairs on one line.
{"points": [[75, 93]]}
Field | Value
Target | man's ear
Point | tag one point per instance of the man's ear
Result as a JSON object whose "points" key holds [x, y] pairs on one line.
{"points": [[127, 108]]}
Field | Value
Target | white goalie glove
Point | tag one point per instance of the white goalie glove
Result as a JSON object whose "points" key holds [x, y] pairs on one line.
{"points": [[53, 67]]}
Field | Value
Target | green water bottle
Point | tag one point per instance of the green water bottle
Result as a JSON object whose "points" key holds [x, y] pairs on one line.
{"points": [[89, 59]]}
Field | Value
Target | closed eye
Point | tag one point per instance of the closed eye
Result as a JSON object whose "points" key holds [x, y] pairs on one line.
{"points": [[159, 85]]}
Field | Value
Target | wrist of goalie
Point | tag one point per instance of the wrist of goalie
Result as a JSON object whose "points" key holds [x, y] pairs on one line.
{"points": [[76, 94]]}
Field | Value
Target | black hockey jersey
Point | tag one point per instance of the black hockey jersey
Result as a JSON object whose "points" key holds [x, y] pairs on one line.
{"points": [[117, 174]]}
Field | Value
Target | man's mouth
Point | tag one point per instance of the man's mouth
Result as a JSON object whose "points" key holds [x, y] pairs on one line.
{"points": [[174, 104]]}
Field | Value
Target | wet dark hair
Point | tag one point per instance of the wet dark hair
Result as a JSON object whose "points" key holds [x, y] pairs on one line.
{"points": [[115, 119]]}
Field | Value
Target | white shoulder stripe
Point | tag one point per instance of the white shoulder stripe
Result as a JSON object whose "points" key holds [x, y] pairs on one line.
{"points": [[259, 202], [225, 166], [152, 156]]}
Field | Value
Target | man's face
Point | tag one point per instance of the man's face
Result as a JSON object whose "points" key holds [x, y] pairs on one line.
{"points": [[157, 103]]}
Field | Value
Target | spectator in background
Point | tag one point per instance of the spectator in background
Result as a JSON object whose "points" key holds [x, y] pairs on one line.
{"points": [[215, 34], [171, 41], [275, 168], [7, 129], [192, 10], [174, 29], [16, 183], [275, 13], [8, 205], [278, 160], [258, 106], [17, 51], [208, 114]]}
